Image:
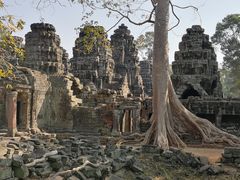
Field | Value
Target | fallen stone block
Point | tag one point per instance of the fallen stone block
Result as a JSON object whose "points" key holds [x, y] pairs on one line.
{"points": [[151, 149], [5, 172], [21, 172], [17, 161]]}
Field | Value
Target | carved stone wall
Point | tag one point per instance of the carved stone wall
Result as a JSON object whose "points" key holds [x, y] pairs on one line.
{"points": [[146, 73], [195, 69]]}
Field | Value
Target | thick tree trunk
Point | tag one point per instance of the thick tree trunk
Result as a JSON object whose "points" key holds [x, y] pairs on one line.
{"points": [[170, 118]]}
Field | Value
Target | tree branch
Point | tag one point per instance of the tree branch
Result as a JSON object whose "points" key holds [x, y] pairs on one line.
{"points": [[115, 24], [174, 14], [149, 20], [49, 2], [178, 20], [185, 7]]}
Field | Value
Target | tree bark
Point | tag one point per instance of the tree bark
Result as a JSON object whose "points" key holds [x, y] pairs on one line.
{"points": [[170, 118]]}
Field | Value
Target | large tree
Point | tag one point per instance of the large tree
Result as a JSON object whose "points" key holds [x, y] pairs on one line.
{"points": [[227, 35], [170, 118]]}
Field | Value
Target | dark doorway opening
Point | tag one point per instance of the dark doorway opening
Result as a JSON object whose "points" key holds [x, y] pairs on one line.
{"points": [[189, 92], [19, 109], [210, 117], [230, 121]]}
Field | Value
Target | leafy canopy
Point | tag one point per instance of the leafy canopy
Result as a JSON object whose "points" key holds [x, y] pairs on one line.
{"points": [[227, 35], [144, 44], [8, 44]]}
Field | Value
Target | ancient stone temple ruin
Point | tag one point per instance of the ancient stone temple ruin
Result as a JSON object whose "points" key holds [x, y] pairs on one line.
{"points": [[197, 82], [125, 55], [46, 92], [45, 95], [96, 66], [195, 69], [40, 96]]}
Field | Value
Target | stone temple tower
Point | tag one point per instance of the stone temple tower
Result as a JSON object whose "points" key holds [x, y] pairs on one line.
{"points": [[125, 55], [43, 50], [195, 69], [94, 67]]}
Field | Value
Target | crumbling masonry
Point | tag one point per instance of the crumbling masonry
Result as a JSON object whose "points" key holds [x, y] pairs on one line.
{"points": [[104, 91]]}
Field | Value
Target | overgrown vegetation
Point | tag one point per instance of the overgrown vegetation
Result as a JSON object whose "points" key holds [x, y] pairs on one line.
{"points": [[8, 44], [93, 36]]}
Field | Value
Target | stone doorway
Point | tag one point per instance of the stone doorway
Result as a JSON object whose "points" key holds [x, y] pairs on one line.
{"points": [[19, 113], [190, 91], [210, 117], [231, 121], [22, 114], [126, 125]]}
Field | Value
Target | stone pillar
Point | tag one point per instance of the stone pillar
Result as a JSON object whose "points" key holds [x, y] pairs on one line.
{"points": [[115, 121], [136, 120], [11, 112], [218, 120], [27, 111]]}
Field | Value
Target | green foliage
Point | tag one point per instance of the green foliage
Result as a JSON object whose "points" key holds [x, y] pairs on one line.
{"points": [[8, 44], [92, 37], [144, 44], [227, 35], [229, 84]]}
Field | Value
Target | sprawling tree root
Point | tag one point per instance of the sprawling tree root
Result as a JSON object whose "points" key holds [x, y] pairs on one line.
{"points": [[177, 120], [42, 159], [77, 169], [137, 139], [170, 118]]}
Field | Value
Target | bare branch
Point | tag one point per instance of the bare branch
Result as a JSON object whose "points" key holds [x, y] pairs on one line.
{"points": [[49, 2], [185, 7], [115, 24], [178, 20], [180, 7], [149, 20]]}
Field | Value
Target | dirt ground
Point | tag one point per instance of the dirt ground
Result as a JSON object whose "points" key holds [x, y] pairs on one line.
{"points": [[213, 155]]}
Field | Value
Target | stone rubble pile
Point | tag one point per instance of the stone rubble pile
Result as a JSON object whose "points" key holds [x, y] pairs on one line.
{"points": [[175, 157], [231, 155], [85, 158]]}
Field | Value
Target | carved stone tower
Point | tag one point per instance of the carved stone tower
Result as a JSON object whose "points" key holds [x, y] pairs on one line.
{"points": [[43, 50], [195, 69], [96, 66], [126, 59]]}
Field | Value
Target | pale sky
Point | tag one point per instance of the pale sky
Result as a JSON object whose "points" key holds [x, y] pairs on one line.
{"points": [[65, 19]]}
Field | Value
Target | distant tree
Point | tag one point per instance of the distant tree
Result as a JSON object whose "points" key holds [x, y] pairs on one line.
{"points": [[144, 44], [8, 45], [170, 119], [227, 35], [227, 82]]}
